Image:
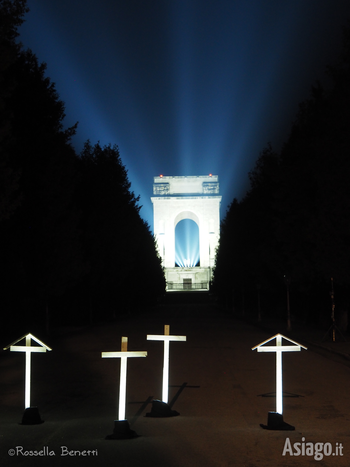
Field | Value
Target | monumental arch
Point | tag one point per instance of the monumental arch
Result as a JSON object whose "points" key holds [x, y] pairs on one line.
{"points": [[195, 198]]}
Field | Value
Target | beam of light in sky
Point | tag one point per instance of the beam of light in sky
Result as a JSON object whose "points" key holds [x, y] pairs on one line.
{"points": [[187, 244], [182, 47], [222, 106], [184, 87], [94, 103]]}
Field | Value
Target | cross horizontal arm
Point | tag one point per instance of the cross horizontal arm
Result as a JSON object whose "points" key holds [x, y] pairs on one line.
{"points": [[279, 348], [31, 337], [162, 337], [26, 348], [124, 354], [277, 336], [38, 341]]}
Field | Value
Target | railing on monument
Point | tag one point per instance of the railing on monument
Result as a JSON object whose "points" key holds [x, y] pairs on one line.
{"points": [[192, 286]]}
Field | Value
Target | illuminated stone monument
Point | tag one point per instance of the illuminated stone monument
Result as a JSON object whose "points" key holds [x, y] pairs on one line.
{"points": [[195, 198]]}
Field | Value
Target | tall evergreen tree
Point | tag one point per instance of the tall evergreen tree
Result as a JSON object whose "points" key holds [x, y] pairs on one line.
{"points": [[69, 225], [40, 255], [11, 17], [295, 218], [116, 239]]}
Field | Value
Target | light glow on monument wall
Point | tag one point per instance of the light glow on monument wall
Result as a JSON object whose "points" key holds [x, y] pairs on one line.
{"points": [[187, 244]]}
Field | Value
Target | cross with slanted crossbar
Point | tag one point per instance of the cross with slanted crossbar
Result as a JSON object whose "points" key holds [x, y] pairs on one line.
{"points": [[123, 355], [28, 349], [166, 338], [279, 348]]}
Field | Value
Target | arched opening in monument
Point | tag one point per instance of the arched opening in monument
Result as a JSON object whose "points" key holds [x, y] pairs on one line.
{"points": [[187, 244]]}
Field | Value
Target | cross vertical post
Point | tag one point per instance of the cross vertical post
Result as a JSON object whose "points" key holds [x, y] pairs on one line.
{"points": [[166, 366], [28, 373], [166, 338], [122, 387], [279, 383]]}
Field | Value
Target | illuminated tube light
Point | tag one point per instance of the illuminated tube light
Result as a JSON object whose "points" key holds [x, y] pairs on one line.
{"points": [[166, 338], [123, 355], [28, 349], [279, 348]]}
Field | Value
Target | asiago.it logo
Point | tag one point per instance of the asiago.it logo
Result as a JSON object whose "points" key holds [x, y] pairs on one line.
{"points": [[315, 450]]}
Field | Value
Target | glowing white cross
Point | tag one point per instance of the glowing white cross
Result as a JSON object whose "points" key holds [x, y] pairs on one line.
{"points": [[123, 355], [28, 349], [166, 338], [279, 348]]}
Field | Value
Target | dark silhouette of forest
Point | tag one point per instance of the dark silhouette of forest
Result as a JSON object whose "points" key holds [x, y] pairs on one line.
{"points": [[74, 248], [291, 231]]}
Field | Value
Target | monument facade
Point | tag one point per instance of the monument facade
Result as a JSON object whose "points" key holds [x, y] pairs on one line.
{"points": [[175, 199]]}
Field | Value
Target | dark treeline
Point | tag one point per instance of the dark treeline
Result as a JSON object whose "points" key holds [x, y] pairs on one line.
{"points": [[73, 245], [292, 229]]}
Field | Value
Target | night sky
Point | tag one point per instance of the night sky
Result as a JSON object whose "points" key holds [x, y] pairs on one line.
{"points": [[185, 87]]}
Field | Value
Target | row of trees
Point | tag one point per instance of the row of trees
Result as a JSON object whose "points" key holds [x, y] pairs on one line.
{"points": [[292, 229], [73, 244]]}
